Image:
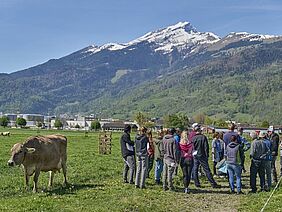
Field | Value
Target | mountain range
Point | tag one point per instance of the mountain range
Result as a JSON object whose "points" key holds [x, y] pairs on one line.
{"points": [[170, 70]]}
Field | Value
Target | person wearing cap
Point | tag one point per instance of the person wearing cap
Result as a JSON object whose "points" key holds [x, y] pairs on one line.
{"points": [[141, 142], [128, 155], [257, 154], [193, 132], [234, 157], [201, 154], [274, 139], [267, 159], [227, 135], [170, 151], [246, 144]]}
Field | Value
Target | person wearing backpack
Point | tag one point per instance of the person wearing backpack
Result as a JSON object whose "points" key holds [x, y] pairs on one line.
{"points": [[234, 157], [141, 142]]}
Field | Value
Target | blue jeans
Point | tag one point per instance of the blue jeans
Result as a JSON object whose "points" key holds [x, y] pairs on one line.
{"points": [[234, 169], [158, 169]]}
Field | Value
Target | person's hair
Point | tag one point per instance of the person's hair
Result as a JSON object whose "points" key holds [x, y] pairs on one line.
{"points": [[149, 133], [171, 131], [143, 130], [232, 126], [253, 135], [127, 128], [215, 135], [233, 138], [160, 133], [184, 137], [221, 135]]}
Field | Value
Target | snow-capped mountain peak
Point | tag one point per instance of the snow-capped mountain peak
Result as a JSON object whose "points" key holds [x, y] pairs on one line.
{"points": [[178, 36]]}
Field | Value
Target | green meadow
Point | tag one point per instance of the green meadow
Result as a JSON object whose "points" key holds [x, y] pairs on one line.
{"points": [[96, 184]]}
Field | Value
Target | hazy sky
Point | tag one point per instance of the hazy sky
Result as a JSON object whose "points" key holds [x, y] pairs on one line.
{"points": [[34, 31]]}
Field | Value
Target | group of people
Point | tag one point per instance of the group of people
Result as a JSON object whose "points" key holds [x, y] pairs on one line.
{"points": [[172, 148]]}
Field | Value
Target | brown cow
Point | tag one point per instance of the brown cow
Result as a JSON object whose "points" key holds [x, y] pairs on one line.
{"points": [[41, 153]]}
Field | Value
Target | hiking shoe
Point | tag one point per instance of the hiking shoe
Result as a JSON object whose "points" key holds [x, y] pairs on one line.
{"points": [[253, 191], [157, 182], [232, 192], [240, 192], [172, 189], [125, 181], [216, 186], [198, 186], [136, 186], [165, 188], [142, 187], [186, 191], [131, 182]]}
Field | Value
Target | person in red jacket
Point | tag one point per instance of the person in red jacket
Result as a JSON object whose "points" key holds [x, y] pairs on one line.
{"points": [[186, 159]]}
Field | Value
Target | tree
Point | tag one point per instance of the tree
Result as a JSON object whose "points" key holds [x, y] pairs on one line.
{"points": [[265, 124], [141, 119], [176, 120], [21, 122], [200, 118], [95, 125], [58, 124], [4, 121], [39, 124], [77, 126]]}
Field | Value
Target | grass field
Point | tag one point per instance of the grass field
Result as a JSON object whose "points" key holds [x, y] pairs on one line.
{"points": [[96, 184]]}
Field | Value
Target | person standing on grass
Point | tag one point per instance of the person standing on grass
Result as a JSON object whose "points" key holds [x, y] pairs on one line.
{"points": [[150, 148], [141, 142], [158, 157], [257, 153], [128, 154], [201, 154], [217, 151], [274, 139], [170, 151], [246, 144], [177, 135], [234, 157], [186, 159], [227, 135], [267, 159]]}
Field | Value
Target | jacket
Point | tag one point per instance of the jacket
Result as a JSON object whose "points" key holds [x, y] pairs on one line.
{"points": [[170, 149], [201, 145], [274, 138], [234, 153], [127, 146], [158, 142], [258, 149], [186, 150], [141, 142]]}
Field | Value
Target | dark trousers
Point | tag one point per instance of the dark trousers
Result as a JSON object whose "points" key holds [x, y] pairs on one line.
{"points": [[273, 168], [186, 166], [129, 165], [214, 168], [203, 161], [150, 164], [257, 166]]}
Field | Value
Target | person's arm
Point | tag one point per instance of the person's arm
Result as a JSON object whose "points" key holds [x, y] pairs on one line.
{"points": [[242, 155], [247, 144], [275, 143], [127, 139], [162, 151], [252, 150], [206, 143]]}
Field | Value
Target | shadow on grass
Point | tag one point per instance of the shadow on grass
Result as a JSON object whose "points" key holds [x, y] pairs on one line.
{"points": [[73, 188]]}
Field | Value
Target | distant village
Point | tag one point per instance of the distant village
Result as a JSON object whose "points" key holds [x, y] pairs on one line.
{"points": [[79, 122]]}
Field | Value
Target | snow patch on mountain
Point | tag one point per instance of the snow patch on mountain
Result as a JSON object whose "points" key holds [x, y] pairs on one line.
{"points": [[250, 36]]}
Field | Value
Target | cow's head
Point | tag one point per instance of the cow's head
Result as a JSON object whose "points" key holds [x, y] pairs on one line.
{"points": [[18, 154]]}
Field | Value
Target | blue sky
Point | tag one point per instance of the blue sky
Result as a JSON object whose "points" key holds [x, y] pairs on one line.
{"points": [[34, 31]]}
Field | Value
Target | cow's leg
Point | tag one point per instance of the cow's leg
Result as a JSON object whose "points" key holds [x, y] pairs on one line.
{"points": [[26, 181], [35, 180], [51, 177], [64, 166]]}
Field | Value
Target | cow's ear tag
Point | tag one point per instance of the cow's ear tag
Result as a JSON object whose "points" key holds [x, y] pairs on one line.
{"points": [[30, 150]]}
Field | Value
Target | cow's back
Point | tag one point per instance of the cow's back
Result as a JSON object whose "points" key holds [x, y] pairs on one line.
{"points": [[50, 151]]}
